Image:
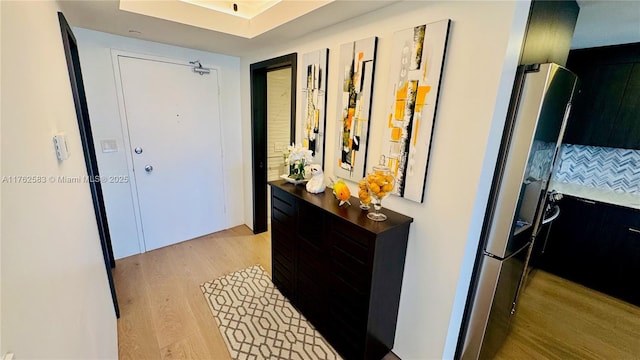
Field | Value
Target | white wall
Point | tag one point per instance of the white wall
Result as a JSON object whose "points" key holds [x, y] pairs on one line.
{"points": [[55, 295], [97, 69], [482, 54]]}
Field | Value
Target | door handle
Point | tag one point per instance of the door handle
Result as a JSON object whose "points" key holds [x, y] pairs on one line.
{"points": [[634, 230], [148, 168]]}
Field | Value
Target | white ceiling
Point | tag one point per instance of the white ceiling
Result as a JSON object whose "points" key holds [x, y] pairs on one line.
{"points": [[105, 16], [606, 22], [600, 23]]}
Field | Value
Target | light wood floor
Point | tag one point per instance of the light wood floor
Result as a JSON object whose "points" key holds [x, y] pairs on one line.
{"points": [[163, 314], [559, 319]]}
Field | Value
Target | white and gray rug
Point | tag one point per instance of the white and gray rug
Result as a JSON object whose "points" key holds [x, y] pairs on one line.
{"points": [[258, 322]]}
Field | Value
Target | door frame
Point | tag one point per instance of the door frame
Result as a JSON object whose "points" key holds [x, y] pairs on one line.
{"points": [[124, 127], [72, 56], [258, 76]]}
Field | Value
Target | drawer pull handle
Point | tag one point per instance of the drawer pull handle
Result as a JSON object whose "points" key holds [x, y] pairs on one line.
{"points": [[634, 230], [587, 201]]}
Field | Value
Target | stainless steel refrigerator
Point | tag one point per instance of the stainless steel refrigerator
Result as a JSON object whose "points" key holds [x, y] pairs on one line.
{"points": [[540, 105]]}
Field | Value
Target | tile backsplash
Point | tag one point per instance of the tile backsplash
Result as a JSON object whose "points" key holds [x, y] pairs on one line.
{"points": [[599, 167], [540, 159]]}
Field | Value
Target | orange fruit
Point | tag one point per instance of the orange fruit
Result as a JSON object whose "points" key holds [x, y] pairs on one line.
{"points": [[341, 190]]}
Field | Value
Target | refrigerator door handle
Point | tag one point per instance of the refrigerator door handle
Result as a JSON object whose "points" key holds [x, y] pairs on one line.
{"points": [[556, 213], [493, 256]]}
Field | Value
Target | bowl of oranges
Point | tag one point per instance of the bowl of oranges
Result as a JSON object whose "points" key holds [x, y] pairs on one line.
{"points": [[363, 195], [379, 183]]}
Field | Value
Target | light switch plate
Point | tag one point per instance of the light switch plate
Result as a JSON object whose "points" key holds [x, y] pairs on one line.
{"points": [[60, 144], [109, 146]]}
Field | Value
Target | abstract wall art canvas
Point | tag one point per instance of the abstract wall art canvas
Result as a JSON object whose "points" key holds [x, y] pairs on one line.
{"points": [[313, 103], [356, 66], [416, 69]]}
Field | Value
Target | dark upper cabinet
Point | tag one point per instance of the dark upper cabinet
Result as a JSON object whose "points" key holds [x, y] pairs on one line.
{"points": [[597, 104], [626, 130], [605, 111]]}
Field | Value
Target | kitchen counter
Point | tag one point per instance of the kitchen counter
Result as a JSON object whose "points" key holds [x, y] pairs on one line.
{"points": [[629, 200]]}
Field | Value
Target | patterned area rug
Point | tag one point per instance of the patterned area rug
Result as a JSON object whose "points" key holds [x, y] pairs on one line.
{"points": [[258, 322]]}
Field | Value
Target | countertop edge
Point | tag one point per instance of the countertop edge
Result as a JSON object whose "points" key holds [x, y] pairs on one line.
{"points": [[627, 200]]}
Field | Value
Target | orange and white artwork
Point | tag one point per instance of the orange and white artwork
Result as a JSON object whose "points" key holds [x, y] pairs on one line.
{"points": [[417, 60], [357, 63], [313, 103]]}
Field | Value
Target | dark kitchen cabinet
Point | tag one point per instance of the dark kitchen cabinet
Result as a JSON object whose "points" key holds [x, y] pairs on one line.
{"points": [[605, 110], [571, 245], [597, 245], [622, 233], [340, 269]]}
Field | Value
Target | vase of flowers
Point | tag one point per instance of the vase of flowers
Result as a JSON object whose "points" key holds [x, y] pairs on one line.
{"points": [[297, 160]]}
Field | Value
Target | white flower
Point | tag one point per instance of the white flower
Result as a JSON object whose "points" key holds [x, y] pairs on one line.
{"points": [[298, 153]]}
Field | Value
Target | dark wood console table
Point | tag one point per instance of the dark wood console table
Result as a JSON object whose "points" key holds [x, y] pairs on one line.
{"points": [[340, 269]]}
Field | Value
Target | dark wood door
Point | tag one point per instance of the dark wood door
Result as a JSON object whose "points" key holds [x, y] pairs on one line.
{"points": [[258, 74]]}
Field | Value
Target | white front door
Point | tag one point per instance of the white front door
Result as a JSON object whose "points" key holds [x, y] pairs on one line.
{"points": [[174, 129]]}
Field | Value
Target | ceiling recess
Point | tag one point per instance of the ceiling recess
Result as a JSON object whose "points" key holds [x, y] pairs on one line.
{"points": [[244, 9], [253, 18]]}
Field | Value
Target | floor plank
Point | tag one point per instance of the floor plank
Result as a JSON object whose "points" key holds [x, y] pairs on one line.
{"points": [[136, 334], [559, 319]]}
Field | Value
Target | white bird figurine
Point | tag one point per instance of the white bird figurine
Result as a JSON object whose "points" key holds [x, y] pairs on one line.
{"points": [[316, 184]]}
